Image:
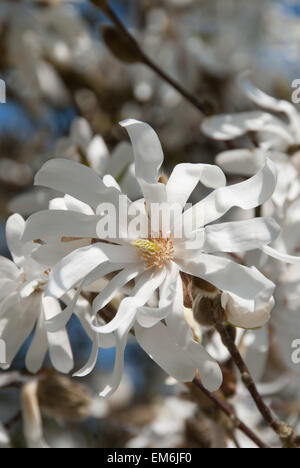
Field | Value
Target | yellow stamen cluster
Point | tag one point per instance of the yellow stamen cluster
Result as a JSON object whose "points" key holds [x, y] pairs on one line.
{"points": [[155, 252]]}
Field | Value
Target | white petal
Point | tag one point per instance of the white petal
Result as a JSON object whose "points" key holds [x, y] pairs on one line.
{"points": [[147, 150], [185, 178], [130, 185], [7, 287], [145, 287], [246, 283], [31, 201], [80, 263], [92, 361], [148, 316], [70, 177], [38, 348], [73, 204], [242, 313], [121, 340], [148, 157], [17, 322], [98, 155], [57, 224], [160, 346], [114, 286], [80, 132], [8, 270], [231, 126], [120, 160], [50, 254], [242, 161], [240, 235], [246, 195], [14, 232], [59, 344], [292, 259], [257, 349], [268, 102]]}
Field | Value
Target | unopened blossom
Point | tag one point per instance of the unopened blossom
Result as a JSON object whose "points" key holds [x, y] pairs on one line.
{"points": [[156, 260]]}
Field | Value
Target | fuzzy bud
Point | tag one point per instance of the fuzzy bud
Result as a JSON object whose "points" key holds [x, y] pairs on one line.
{"points": [[63, 399], [208, 311], [121, 47]]}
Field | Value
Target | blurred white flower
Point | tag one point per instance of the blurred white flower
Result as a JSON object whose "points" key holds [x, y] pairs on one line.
{"points": [[24, 306], [274, 133]]}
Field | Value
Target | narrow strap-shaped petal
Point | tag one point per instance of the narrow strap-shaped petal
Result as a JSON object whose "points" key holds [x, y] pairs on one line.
{"points": [[120, 280], [246, 283], [8, 270], [121, 341], [146, 285], [56, 224], [60, 350], [291, 259], [257, 347], [160, 346], [242, 162], [185, 177], [38, 348], [80, 263], [230, 126], [240, 236], [75, 179], [92, 361], [15, 227], [17, 321], [148, 159], [269, 102], [246, 195]]}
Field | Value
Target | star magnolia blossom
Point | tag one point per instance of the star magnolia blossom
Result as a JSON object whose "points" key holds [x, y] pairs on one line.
{"points": [[24, 305], [155, 262], [274, 133]]}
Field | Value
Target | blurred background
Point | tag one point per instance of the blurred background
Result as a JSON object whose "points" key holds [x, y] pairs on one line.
{"points": [[56, 68]]}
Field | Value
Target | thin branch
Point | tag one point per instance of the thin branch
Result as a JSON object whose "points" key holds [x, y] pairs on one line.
{"points": [[226, 409], [284, 431], [202, 105], [9, 424]]}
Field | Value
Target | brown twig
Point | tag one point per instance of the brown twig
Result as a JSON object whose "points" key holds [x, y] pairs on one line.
{"points": [[202, 105], [226, 409], [9, 424], [284, 431]]}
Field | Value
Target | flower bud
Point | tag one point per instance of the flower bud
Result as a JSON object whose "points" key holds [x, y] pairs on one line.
{"points": [[208, 311], [63, 399], [121, 47], [242, 317]]}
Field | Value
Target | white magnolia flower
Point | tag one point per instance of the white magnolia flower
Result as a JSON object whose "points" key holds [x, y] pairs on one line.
{"points": [[275, 136], [156, 261], [25, 307], [274, 133]]}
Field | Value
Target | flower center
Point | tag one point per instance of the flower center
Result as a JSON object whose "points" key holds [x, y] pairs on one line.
{"points": [[155, 252]]}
